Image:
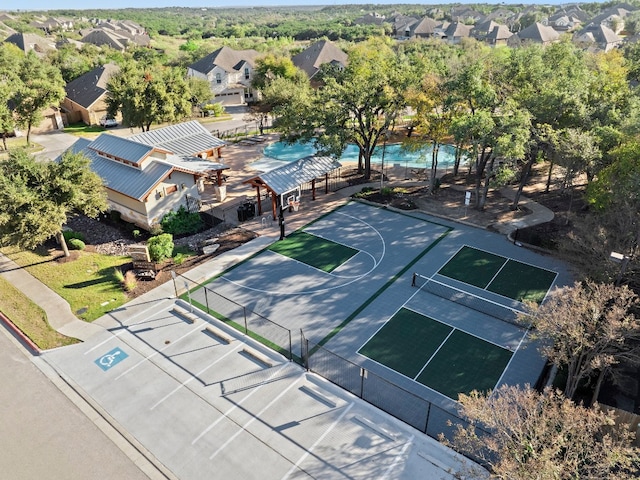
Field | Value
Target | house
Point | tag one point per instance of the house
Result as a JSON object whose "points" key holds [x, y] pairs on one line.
{"points": [[481, 29], [612, 18], [31, 42], [456, 31], [598, 36], [402, 26], [315, 55], [85, 98], [53, 24], [145, 182], [104, 38], [536, 33], [229, 73], [500, 35], [370, 19], [425, 28]]}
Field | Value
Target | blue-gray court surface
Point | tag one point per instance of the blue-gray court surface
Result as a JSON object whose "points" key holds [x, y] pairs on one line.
{"points": [[344, 308]]}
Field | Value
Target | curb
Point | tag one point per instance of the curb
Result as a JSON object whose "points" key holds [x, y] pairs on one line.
{"points": [[19, 335]]}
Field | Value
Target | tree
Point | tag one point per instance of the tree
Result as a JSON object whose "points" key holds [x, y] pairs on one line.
{"points": [[41, 86], [38, 196], [10, 83], [147, 94], [271, 67], [587, 329], [356, 105], [200, 91], [531, 435]]}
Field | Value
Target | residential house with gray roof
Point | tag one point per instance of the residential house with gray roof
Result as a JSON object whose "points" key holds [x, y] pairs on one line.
{"points": [[536, 33], [425, 28], [317, 54], [31, 42], [599, 36], [144, 182], [500, 35], [456, 31], [85, 99], [229, 73]]}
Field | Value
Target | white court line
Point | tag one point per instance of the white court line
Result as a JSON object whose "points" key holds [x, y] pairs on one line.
{"points": [[193, 377], [398, 458], [157, 352], [236, 406], [123, 327], [510, 360], [434, 353], [486, 287], [254, 418], [296, 465]]}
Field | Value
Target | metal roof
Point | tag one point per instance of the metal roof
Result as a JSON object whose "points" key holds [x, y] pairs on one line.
{"points": [[192, 164], [121, 148], [123, 178], [188, 138], [290, 176]]}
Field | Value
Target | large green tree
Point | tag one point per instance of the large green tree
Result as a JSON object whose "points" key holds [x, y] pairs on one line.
{"points": [[10, 83], [41, 87], [356, 105], [37, 197], [147, 93]]}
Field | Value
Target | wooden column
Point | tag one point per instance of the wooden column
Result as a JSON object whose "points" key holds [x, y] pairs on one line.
{"points": [[274, 206], [259, 199], [313, 189]]}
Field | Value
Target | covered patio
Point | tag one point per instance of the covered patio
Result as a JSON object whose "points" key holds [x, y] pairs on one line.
{"points": [[289, 178]]}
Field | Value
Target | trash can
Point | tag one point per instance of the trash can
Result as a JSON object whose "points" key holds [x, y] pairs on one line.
{"points": [[250, 209], [242, 213]]}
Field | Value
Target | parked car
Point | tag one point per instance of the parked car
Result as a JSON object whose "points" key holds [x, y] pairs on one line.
{"points": [[107, 122]]}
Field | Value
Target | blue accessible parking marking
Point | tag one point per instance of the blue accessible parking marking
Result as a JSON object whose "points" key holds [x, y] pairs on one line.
{"points": [[111, 359]]}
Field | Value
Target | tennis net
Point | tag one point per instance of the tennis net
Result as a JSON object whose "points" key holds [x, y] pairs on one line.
{"points": [[469, 300]]}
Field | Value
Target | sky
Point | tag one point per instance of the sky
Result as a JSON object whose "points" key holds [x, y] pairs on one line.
{"points": [[116, 4]]}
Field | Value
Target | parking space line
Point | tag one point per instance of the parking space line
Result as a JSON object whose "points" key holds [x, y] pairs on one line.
{"points": [[237, 405], [398, 458], [254, 418], [194, 376], [123, 327], [199, 327], [296, 465]]}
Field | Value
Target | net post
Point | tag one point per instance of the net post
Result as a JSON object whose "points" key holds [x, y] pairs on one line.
{"points": [[206, 299], [413, 279], [244, 312]]}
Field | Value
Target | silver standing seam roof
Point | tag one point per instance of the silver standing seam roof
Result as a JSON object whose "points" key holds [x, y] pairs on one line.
{"points": [[290, 176], [126, 179], [188, 138], [122, 148]]}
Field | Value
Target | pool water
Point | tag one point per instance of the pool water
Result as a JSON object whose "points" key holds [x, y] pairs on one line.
{"points": [[393, 154]]}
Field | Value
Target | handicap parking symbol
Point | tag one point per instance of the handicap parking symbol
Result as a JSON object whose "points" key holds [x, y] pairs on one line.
{"points": [[111, 359]]}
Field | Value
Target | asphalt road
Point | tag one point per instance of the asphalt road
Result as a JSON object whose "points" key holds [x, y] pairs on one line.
{"points": [[43, 434]]}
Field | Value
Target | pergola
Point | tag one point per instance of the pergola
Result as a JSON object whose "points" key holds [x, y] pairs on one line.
{"points": [[290, 177]]}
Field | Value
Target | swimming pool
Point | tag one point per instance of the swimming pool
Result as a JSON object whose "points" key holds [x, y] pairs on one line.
{"points": [[393, 154]]}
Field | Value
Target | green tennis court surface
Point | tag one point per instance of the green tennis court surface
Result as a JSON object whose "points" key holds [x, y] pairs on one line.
{"points": [[315, 251], [436, 355], [504, 276]]}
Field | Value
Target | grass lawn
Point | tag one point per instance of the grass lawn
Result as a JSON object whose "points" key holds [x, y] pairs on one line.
{"points": [[19, 142], [88, 283], [81, 129], [29, 318]]}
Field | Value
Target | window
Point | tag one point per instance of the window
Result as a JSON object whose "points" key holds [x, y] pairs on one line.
{"points": [[171, 189], [218, 78], [246, 73]]}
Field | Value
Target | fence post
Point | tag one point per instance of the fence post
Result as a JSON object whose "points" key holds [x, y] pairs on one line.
{"points": [[290, 348], [363, 375], [206, 299], [246, 328], [426, 425]]}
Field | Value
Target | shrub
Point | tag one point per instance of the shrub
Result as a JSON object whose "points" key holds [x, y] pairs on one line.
{"points": [[76, 244], [386, 191], [136, 233], [181, 222], [179, 258], [117, 273], [160, 247], [69, 234], [213, 109], [130, 281]]}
